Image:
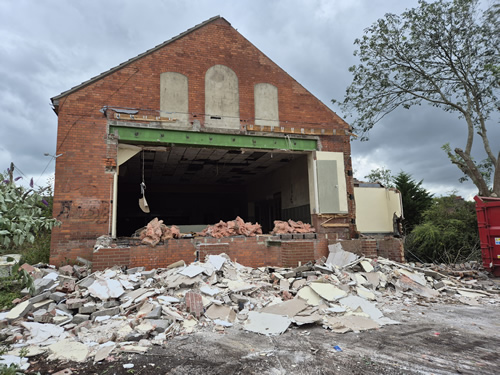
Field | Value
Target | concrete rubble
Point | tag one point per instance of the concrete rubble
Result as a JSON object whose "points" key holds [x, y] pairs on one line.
{"points": [[77, 315]]}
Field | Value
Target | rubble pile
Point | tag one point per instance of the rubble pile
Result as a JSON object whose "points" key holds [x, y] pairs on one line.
{"points": [[290, 226], [236, 227], [76, 315], [156, 231]]}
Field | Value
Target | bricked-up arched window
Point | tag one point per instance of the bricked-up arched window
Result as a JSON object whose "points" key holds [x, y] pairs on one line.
{"points": [[266, 104], [174, 100], [222, 104]]}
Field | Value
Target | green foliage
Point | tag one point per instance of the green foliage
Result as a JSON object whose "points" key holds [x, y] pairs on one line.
{"points": [[443, 53], [416, 199], [448, 233], [24, 213], [382, 175], [11, 286]]}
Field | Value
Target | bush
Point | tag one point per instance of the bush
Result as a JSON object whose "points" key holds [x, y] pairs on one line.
{"points": [[25, 219], [448, 233]]}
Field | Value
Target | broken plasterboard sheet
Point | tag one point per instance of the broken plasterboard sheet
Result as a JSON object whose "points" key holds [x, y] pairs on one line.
{"points": [[289, 308], [167, 299], [192, 270], [307, 319], [106, 289], [217, 261], [239, 286], [327, 291], [40, 333], [69, 350], [414, 276], [104, 351], [221, 312], [405, 283], [9, 360], [365, 293], [373, 278], [266, 324], [351, 322], [338, 257], [367, 266], [308, 294], [470, 294], [209, 291], [355, 302]]}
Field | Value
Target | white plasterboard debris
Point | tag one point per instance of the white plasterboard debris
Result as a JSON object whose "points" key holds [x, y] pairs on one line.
{"points": [[18, 311], [239, 286], [354, 302], [289, 308], [104, 351], [105, 289], [40, 333], [358, 278], [328, 291], [27, 351], [338, 256], [69, 350], [307, 319], [266, 324], [414, 276], [311, 297], [128, 365], [209, 291], [189, 325], [192, 270], [353, 322], [221, 312], [469, 294], [223, 323], [365, 293], [217, 261], [14, 360], [336, 309], [168, 299], [366, 266], [373, 278]]}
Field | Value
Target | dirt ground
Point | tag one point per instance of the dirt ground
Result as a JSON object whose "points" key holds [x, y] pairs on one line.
{"points": [[432, 339]]}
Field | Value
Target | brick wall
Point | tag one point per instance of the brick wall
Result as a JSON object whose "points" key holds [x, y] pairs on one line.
{"points": [[83, 185], [257, 251]]}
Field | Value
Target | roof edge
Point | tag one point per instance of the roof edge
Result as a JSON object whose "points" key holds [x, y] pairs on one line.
{"points": [[55, 99]]}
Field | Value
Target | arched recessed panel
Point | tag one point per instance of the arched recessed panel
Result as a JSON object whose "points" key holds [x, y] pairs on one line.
{"points": [[222, 105], [174, 97], [266, 104]]}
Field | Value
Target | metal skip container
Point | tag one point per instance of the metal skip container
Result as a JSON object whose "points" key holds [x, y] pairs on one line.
{"points": [[488, 221]]}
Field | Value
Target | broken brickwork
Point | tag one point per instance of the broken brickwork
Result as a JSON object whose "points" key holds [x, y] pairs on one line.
{"points": [[256, 251]]}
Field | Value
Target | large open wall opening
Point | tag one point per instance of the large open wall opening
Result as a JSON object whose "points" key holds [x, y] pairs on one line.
{"points": [[194, 187]]}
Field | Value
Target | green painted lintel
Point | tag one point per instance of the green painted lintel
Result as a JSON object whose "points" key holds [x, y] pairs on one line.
{"points": [[187, 138]]}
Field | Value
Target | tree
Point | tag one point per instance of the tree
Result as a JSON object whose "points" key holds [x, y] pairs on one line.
{"points": [[448, 233], [23, 213], [416, 200], [382, 175], [444, 53]]}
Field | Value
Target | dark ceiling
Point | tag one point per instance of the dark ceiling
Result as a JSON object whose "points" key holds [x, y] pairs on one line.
{"points": [[185, 165]]}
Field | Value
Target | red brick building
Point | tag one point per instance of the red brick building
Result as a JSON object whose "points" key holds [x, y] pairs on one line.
{"points": [[214, 129]]}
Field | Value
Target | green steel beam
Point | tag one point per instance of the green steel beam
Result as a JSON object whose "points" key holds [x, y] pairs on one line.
{"points": [[186, 138]]}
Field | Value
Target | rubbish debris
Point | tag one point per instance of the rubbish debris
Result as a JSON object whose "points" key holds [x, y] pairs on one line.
{"points": [[156, 231], [290, 226], [236, 227], [78, 315]]}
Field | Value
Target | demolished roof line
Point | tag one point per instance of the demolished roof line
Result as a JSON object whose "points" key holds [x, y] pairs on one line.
{"points": [[133, 59]]}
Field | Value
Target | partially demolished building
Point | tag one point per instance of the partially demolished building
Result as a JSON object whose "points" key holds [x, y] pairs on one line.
{"points": [[201, 128]]}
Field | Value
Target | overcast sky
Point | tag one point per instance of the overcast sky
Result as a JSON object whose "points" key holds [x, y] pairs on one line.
{"points": [[47, 47]]}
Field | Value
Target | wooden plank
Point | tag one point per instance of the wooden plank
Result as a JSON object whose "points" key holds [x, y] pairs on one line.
{"points": [[121, 116], [335, 225]]}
